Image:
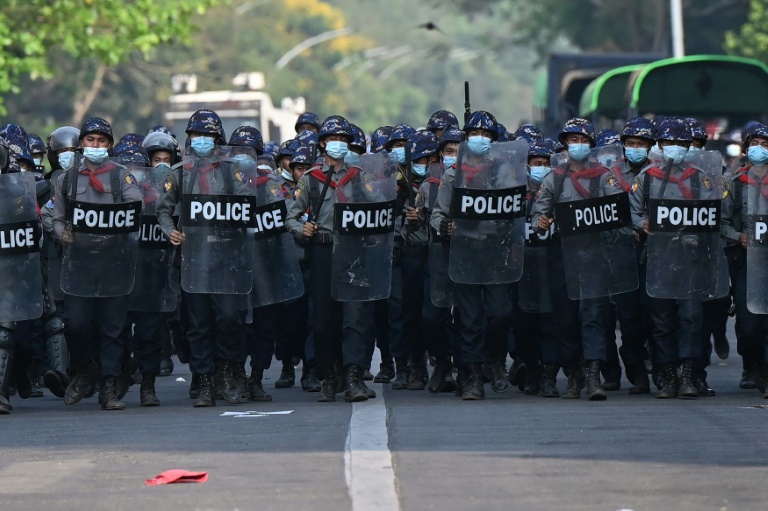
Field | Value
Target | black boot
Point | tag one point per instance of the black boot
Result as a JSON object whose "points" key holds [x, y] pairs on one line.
{"points": [[761, 377], [56, 378], [194, 386], [287, 376], [748, 380], [355, 391], [669, 376], [206, 394], [494, 372], [638, 377], [108, 396], [147, 393], [417, 380], [401, 377], [34, 380], [126, 378], [461, 379], [166, 367], [227, 384], [256, 390], [473, 388], [687, 389], [309, 381], [81, 386], [532, 385], [575, 382], [328, 387], [437, 381], [549, 381], [386, 373], [241, 378], [595, 391], [518, 374]]}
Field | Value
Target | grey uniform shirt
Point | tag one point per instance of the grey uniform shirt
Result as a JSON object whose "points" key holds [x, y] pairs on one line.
{"points": [[86, 193], [301, 203], [546, 200], [442, 208], [415, 234], [735, 215]]}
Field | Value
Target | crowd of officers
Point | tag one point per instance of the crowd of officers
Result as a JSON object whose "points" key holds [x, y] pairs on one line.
{"points": [[87, 344]]}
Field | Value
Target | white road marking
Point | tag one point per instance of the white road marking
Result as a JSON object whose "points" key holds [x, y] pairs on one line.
{"points": [[367, 459]]}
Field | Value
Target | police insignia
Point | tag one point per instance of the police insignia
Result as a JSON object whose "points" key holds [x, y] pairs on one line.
{"points": [[635, 186], [240, 176], [296, 193], [612, 182], [49, 204], [367, 181], [167, 185], [274, 189], [706, 182], [130, 179]]}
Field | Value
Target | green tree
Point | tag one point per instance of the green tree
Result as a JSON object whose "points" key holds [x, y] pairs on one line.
{"points": [[751, 40]]}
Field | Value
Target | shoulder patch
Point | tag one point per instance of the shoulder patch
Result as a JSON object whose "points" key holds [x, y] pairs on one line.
{"points": [[612, 182], [130, 179], [49, 204], [240, 176], [167, 185], [706, 182], [274, 189], [296, 193], [635, 186]]}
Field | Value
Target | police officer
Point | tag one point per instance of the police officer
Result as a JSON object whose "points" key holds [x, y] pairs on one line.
{"points": [[340, 330], [307, 122], [215, 320], [93, 183], [441, 121]]}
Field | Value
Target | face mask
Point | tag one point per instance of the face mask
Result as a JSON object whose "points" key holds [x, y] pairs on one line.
{"points": [[757, 155], [66, 159], [95, 154], [636, 154], [245, 162], [163, 166], [578, 152], [202, 146], [398, 155], [676, 153], [693, 152], [420, 169], [287, 175], [733, 150], [449, 161], [352, 159], [38, 161], [606, 159], [538, 173], [479, 144], [655, 153], [336, 149]]}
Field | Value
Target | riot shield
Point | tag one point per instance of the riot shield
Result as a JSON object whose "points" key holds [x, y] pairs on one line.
{"points": [[364, 224], [488, 210], [533, 291], [151, 289], [217, 210], [52, 251], [276, 272], [440, 284], [756, 190], [100, 240], [595, 229], [21, 292], [685, 254]]}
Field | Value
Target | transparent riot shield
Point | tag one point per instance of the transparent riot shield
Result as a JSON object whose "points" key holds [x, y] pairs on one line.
{"points": [[685, 254], [595, 228], [276, 273], [533, 290], [756, 190], [364, 223], [216, 213], [151, 289], [100, 241], [488, 214], [21, 291], [440, 284]]}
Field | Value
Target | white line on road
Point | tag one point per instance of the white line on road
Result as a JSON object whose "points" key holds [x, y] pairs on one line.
{"points": [[367, 459]]}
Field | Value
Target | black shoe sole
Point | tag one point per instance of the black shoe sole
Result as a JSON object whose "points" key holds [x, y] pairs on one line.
{"points": [[55, 384]]}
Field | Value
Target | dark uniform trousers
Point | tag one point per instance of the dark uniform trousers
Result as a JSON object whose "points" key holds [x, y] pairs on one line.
{"points": [[343, 330], [560, 328], [293, 326], [751, 329], [677, 329], [94, 331], [388, 321], [483, 314], [147, 339], [214, 330], [261, 335]]}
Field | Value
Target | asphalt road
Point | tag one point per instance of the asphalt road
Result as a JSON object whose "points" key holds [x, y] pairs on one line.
{"points": [[404, 450]]}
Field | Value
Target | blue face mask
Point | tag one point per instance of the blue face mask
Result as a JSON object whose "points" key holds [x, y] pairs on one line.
{"points": [[245, 162], [336, 149], [607, 159], [676, 153], [757, 155], [538, 173], [202, 146], [163, 166], [66, 159], [636, 155], [95, 154], [352, 159], [578, 152], [397, 155], [420, 169], [449, 161], [479, 144], [287, 175]]}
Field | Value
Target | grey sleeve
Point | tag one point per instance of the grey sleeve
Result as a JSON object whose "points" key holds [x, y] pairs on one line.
{"points": [[59, 210], [297, 208], [442, 208], [130, 190], [46, 216], [167, 205], [637, 204], [545, 202], [727, 229]]}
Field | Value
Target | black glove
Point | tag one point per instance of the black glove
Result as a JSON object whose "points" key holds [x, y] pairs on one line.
{"points": [[445, 225]]}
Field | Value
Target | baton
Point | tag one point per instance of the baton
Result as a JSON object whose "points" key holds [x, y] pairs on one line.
{"points": [[323, 193], [467, 111]]}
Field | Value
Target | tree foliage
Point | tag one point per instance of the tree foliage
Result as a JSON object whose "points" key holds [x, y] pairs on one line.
{"points": [[751, 40]]}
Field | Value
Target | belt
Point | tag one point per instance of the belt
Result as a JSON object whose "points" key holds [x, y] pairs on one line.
{"points": [[322, 238]]}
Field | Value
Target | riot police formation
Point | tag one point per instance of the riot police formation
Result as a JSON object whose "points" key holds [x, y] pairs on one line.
{"points": [[461, 247]]}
